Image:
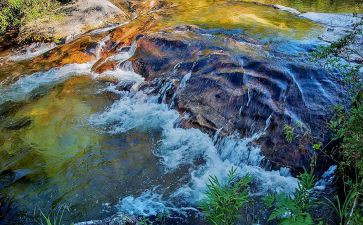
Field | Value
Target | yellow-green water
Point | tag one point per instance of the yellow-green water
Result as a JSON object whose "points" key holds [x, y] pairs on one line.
{"points": [[51, 157], [254, 19], [331, 6]]}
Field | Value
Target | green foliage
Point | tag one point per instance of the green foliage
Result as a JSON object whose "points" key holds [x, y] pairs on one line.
{"points": [[294, 210], [287, 212], [289, 133], [347, 125], [343, 210], [144, 221], [224, 201], [337, 56], [317, 146], [348, 128], [337, 120], [161, 217], [351, 132], [15, 12], [57, 219]]}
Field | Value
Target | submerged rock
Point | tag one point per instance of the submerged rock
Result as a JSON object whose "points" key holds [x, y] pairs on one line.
{"points": [[239, 86], [118, 219]]}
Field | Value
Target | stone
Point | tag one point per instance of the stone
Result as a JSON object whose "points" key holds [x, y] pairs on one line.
{"points": [[240, 91]]}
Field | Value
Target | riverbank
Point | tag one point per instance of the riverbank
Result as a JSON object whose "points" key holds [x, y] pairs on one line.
{"points": [[131, 119]]}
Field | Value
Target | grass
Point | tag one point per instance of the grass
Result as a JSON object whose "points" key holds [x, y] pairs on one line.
{"points": [[56, 220]]}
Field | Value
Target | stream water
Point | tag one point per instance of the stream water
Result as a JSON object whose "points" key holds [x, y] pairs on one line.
{"points": [[69, 139], [257, 20]]}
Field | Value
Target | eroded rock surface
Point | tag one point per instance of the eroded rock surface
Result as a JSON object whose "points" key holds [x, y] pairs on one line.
{"points": [[239, 86]]}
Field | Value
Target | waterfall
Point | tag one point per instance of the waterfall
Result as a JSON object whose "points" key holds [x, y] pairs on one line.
{"points": [[185, 79], [101, 45], [181, 147], [164, 90], [23, 88]]}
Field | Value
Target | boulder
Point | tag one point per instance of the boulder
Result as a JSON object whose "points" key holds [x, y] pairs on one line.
{"points": [[241, 87]]}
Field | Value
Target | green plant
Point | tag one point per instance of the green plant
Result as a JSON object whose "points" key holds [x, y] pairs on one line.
{"points": [[57, 219], [16, 12], [223, 201], [351, 133], [348, 130], [347, 124], [8, 14], [144, 221], [289, 133], [161, 217], [351, 163], [294, 210], [336, 57], [287, 212], [343, 210], [317, 146]]}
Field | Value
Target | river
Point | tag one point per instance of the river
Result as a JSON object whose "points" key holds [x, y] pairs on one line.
{"points": [[75, 139]]}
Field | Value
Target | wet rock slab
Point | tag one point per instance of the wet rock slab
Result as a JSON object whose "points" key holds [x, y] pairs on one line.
{"points": [[234, 84]]}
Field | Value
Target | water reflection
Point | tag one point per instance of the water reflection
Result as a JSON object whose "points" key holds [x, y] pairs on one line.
{"points": [[332, 6], [50, 156], [257, 20]]}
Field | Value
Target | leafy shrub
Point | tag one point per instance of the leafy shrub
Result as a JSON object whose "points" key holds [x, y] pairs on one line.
{"points": [[15, 12], [347, 124], [223, 201], [294, 210], [350, 132]]}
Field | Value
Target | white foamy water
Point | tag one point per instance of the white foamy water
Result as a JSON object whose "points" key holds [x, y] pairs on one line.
{"points": [[186, 147], [122, 76], [33, 50], [327, 179], [148, 203], [24, 86], [178, 147]]}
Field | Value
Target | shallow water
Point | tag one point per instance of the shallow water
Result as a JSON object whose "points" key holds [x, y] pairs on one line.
{"points": [[331, 6], [51, 156], [70, 140], [257, 20]]}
